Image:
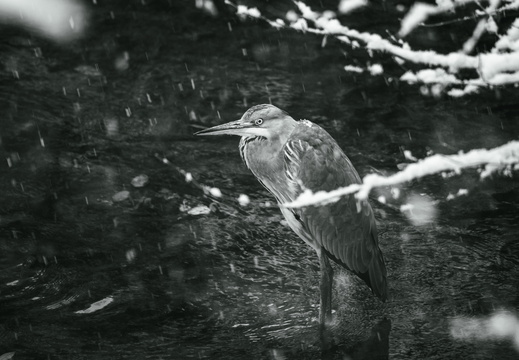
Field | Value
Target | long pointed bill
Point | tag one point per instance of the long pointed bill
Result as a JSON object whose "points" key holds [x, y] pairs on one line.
{"points": [[231, 128], [239, 127]]}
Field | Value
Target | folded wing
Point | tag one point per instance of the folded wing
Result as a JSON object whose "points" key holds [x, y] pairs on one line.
{"points": [[345, 230]]}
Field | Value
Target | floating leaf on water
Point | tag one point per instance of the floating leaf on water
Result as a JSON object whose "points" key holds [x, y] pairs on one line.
{"points": [[130, 255], [122, 62], [199, 210], [98, 305], [88, 70], [121, 196], [140, 180], [111, 126], [7, 356]]}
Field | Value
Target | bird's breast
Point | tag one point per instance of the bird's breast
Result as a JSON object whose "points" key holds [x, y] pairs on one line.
{"points": [[265, 160]]}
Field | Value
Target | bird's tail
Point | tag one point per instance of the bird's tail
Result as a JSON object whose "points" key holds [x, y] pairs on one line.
{"points": [[378, 275]]}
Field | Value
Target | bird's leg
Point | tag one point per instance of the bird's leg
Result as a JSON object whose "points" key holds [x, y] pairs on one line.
{"points": [[325, 313]]}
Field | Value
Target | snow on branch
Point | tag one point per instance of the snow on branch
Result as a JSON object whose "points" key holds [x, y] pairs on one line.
{"points": [[501, 325], [499, 66], [421, 12], [505, 156]]}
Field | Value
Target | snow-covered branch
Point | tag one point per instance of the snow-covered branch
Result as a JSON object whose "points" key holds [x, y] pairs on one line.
{"points": [[503, 157], [59, 20], [499, 66], [501, 325]]}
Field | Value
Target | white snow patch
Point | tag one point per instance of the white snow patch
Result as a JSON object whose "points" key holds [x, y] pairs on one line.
{"points": [[376, 69], [347, 6], [60, 20], [418, 13], [459, 193], [430, 76], [215, 192], [355, 69], [291, 16], [199, 210], [502, 325], [420, 210], [510, 41], [300, 24], [243, 200], [409, 156], [243, 11]]}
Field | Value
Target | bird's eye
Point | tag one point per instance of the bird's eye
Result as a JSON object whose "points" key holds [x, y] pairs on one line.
{"points": [[258, 122]]}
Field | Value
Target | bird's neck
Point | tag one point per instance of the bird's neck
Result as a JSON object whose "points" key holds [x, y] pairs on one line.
{"points": [[281, 135], [261, 149], [264, 156]]}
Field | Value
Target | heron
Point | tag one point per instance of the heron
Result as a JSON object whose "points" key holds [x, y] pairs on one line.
{"points": [[287, 157]]}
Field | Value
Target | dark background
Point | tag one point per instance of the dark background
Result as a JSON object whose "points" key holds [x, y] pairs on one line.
{"points": [[84, 118]]}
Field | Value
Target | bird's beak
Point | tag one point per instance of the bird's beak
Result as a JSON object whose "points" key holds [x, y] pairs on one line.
{"points": [[238, 127], [230, 128]]}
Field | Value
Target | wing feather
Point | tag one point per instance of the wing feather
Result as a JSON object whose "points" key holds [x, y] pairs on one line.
{"points": [[346, 230]]}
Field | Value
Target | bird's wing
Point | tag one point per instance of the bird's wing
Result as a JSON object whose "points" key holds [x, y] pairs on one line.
{"points": [[345, 229]]}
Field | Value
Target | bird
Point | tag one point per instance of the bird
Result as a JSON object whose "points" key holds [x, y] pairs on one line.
{"points": [[288, 157]]}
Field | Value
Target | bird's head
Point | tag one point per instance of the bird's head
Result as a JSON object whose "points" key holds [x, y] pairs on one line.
{"points": [[264, 120]]}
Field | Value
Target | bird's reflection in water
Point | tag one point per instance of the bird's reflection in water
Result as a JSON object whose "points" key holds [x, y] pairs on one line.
{"points": [[374, 346]]}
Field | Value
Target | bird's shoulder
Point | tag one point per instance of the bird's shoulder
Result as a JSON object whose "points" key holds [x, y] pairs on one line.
{"points": [[312, 157], [310, 132]]}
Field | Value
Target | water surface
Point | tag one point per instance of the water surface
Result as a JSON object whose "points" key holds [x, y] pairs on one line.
{"points": [[166, 271]]}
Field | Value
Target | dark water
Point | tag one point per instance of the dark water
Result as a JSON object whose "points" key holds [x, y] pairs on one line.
{"points": [[84, 119]]}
